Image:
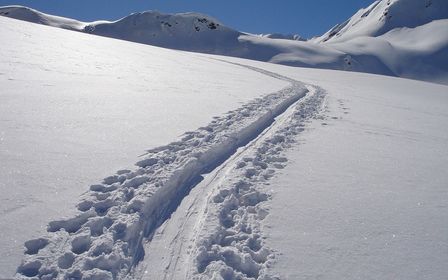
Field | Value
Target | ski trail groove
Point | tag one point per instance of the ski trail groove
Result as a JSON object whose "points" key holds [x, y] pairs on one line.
{"points": [[230, 243], [105, 240]]}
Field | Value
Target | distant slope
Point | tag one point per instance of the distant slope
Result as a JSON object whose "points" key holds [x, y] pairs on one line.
{"points": [[31, 15], [385, 15], [408, 38], [403, 38], [418, 53], [187, 31]]}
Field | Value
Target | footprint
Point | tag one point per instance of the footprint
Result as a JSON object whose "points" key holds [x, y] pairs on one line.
{"points": [[66, 261], [30, 269], [250, 172], [85, 205], [33, 246], [253, 198], [98, 224], [70, 225], [113, 179], [147, 162], [81, 244], [102, 207], [136, 182], [102, 188], [102, 246]]}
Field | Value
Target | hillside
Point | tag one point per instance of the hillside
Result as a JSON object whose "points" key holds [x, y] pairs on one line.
{"points": [[384, 16]]}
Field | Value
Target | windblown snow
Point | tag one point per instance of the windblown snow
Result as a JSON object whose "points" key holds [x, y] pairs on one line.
{"points": [[372, 41], [218, 167]]}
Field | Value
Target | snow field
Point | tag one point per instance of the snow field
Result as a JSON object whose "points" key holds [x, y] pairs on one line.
{"points": [[364, 195], [74, 108], [105, 238]]}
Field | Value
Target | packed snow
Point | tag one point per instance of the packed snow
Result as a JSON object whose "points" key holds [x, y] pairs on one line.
{"points": [[218, 167], [375, 40]]}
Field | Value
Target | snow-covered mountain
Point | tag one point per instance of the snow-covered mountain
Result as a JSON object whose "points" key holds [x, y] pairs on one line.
{"points": [[386, 15], [185, 31], [404, 38], [188, 31], [31, 15]]}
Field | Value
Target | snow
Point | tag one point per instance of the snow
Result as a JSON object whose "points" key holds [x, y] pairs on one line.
{"points": [[75, 108], [220, 231], [375, 40], [295, 37], [117, 215], [363, 195], [360, 194], [218, 167], [403, 53], [383, 16], [31, 15]]}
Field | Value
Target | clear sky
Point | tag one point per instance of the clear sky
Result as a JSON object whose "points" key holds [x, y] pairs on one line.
{"points": [[304, 17]]}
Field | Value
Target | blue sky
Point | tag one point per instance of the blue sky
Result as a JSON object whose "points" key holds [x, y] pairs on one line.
{"points": [[304, 17]]}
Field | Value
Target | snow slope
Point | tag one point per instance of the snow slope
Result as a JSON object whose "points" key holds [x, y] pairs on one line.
{"points": [[375, 40], [364, 194], [186, 31], [403, 52], [75, 108], [358, 193], [27, 14], [386, 15], [352, 162]]}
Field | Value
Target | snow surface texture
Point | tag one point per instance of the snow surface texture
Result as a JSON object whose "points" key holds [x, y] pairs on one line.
{"points": [[216, 233], [75, 108], [105, 239], [232, 246], [374, 40], [364, 194]]}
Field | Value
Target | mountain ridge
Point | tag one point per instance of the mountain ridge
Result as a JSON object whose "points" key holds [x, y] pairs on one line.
{"points": [[371, 41]]}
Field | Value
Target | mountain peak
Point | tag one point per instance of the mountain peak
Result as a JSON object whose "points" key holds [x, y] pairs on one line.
{"points": [[384, 15]]}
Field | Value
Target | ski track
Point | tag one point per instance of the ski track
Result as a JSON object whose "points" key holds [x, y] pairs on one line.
{"points": [[119, 215]]}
